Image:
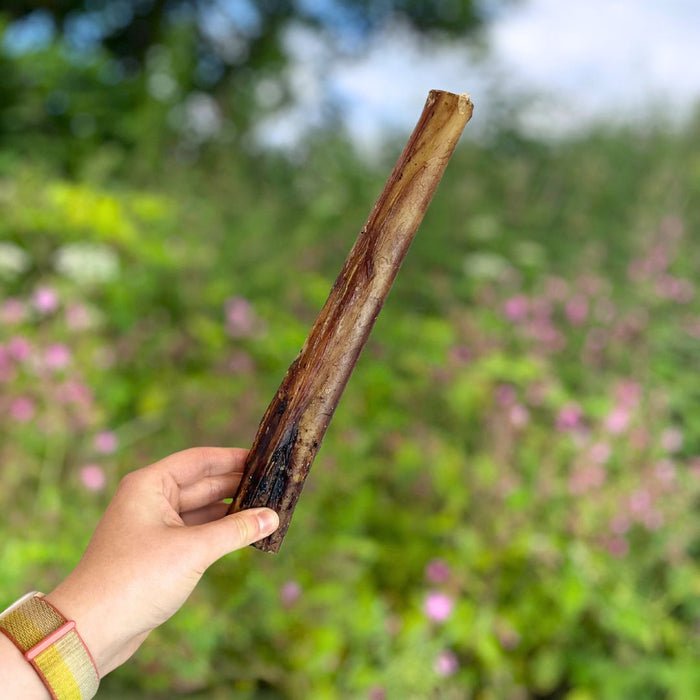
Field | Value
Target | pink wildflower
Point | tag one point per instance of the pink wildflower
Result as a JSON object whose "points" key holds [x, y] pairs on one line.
{"points": [[618, 547], [461, 354], [290, 592], [577, 310], [516, 308], [240, 317], [587, 478], [438, 606], [617, 420], [544, 332], [12, 311], [672, 440], [376, 692], [505, 394], [437, 571], [600, 452], [665, 472], [93, 477], [22, 409], [73, 392], [77, 317], [7, 370], [446, 663], [57, 356], [620, 524], [640, 502], [519, 416], [508, 637], [45, 300], [628, 393], [18, 348], [680, 290], [569, 417], [106, 442]]}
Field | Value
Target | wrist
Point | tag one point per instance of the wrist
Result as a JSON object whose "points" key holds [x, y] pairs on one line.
{"points": [[19, 680], [50, 645], [96, 616], [95, 638]]}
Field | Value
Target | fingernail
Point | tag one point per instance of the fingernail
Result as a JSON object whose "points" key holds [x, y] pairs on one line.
{"points": [[269, 520]]}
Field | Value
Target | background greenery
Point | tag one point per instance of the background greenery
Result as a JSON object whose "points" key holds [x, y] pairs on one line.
{"points": [[505, 503]]}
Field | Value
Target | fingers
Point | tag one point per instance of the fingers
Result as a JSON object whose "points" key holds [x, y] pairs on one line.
{"points": [[189, 466], [208, 490], [205, 514], [217, 538]]}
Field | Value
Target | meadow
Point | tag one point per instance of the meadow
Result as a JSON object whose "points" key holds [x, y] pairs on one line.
{"points": [[504, 505]]}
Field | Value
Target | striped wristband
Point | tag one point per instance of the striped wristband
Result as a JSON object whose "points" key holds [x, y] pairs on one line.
{"points": [[52, 645]]}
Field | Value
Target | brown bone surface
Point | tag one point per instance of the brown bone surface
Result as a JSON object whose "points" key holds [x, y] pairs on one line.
{"points": [[294, 424]]}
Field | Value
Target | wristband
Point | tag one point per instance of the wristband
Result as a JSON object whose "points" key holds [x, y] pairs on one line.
{"points": [[52, 645]]}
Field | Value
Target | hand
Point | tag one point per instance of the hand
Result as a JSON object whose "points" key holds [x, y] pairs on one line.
{"points": [[164, 527]]}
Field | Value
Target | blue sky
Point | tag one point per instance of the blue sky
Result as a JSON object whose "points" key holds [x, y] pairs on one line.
{"points": [[567, 63]]}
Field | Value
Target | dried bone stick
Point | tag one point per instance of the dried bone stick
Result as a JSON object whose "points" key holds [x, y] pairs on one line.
{"points": [[294, 424]]}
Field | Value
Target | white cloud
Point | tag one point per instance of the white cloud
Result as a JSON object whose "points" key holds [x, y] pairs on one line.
{"points": [[387, 86], [620, 60]]}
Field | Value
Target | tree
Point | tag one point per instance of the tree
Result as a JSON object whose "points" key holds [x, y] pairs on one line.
{"points": [[127, 28], [154, 63]]}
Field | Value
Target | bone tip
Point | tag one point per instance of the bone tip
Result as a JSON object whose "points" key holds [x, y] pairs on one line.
{"points": [[465, 104]]}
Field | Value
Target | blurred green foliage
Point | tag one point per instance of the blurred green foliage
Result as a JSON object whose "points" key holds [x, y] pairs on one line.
{"points": [[504, 505], [138, 74]]}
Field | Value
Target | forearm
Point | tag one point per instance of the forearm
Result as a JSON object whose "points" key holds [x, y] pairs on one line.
{"points": [[90, 605], [164, 527], [19, 680]]}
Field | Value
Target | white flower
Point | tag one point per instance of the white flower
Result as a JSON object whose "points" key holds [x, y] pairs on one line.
{"points": [[87, 262], [13, 259], [484, 266]]}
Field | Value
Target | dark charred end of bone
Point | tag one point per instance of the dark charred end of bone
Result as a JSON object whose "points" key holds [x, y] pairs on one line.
{"points": [[268, 490]]}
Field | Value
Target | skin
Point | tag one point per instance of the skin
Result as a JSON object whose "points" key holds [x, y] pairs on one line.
{"points": [[164, 527]]}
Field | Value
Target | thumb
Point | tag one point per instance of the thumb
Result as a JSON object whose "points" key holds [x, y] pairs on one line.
{"points": [[235, 531]]}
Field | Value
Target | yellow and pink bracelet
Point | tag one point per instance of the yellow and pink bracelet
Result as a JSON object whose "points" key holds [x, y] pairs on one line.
{"points": [[52, 645]]}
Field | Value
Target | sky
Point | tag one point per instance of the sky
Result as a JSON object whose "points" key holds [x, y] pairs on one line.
{"points": [[557, 65], [561, 65]]}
